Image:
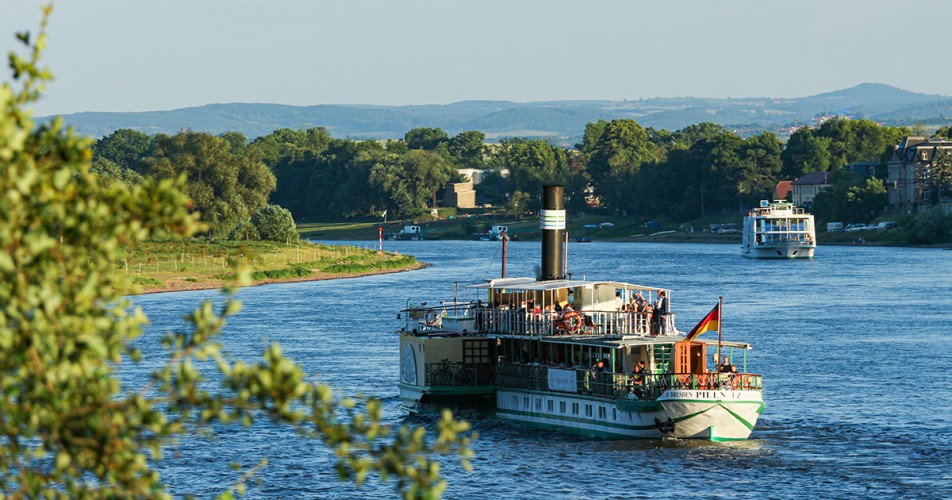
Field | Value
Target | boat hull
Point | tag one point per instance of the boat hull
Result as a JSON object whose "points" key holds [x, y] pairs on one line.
{"points": [[685, 414], [787, 250]]}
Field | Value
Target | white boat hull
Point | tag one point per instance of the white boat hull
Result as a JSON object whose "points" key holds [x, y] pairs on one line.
{"points": [[686, 414], [779, 250]]}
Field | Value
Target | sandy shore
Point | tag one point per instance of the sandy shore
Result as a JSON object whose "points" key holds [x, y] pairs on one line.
{"points": [[181, 285]]}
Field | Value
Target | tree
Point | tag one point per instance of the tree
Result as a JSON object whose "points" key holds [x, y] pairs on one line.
{"points": [[805, 152], [850, 198], [936, 177], [237, 142], [124, 147], [467, 148], [619, 152], [227, 188], [412, 179], [532, 163], [69, 428], [108, 170], [517, 203], [275, 223], [284, 143], [427, 139]]}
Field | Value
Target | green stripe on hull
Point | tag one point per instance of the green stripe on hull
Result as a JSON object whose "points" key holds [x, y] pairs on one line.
{"points": [[740, 419]]}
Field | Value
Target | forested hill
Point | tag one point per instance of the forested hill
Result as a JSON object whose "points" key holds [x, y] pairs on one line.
{"points": [[877, 102]]}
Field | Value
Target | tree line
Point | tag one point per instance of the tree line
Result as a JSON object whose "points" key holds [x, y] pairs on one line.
{"points": [[619, 166]]}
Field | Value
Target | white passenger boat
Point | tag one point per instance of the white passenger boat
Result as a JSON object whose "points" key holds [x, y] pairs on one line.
{"points": [[778, 230], [571, 355]]}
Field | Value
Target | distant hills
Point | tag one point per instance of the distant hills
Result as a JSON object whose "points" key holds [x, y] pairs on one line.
{"points": [[556, 119]]}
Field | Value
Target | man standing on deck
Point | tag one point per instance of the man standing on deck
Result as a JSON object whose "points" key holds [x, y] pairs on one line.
{"points": [[660, 312]]}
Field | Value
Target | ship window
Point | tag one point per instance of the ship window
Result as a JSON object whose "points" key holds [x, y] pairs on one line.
{"points": [[588, 410], [614, 414], [475, 351], [601, 412], [538, 404], [525, 402], [574, 408], [550, 406], [562, 406]]}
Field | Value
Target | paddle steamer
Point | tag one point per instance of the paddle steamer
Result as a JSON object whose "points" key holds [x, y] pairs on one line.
{"points": [[587, 356]]}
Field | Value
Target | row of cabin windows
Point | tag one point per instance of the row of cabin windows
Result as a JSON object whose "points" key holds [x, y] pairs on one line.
{"points": [[550, 406]]}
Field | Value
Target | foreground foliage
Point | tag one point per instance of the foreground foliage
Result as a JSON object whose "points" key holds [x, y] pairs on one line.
{"points": [[67, 427]]}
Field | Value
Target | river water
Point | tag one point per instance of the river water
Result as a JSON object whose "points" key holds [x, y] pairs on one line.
{"points": [[854, 348]]}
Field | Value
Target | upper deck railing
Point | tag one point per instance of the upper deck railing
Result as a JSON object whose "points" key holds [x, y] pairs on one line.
{"points": [[778, 209], [620, 385], [548, 323]]}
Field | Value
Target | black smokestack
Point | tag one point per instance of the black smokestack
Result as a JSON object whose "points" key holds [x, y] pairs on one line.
{"points": [[552, 222]]}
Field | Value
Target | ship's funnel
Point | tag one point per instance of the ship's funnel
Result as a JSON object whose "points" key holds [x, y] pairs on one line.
{"points": [[552, 222]]}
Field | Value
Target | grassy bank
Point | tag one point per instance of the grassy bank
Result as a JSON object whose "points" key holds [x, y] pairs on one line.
{"points": [[605, 228], [196, 264]]}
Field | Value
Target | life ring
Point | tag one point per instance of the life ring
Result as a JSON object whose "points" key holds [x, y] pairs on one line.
{"points": [[572, 321]]}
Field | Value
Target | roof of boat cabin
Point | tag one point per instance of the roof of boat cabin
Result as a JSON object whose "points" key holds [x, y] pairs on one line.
{"points": [[613, 341], [532, 284]]}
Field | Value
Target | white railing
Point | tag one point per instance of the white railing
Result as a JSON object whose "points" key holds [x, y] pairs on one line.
{"points": [[521, 322]]}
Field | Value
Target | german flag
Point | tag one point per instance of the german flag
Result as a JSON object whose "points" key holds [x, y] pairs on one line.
{"points": [[710, 322]]}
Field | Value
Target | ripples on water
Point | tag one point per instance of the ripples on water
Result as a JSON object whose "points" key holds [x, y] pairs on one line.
{"points": [[853, 346]]}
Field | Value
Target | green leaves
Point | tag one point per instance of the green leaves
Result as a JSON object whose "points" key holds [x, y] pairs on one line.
{"points": [[68, 427]]}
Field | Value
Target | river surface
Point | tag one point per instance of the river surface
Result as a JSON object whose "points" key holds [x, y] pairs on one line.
{"points": [[855, 348]]}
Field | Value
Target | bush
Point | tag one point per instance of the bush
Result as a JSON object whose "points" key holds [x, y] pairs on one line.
{"points": [[275, 223], [930, 228]]}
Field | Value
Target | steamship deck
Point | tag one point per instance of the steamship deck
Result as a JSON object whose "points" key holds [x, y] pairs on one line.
{"points": [[585, 356]]}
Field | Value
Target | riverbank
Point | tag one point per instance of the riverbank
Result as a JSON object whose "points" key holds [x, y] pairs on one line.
{"points": [[156, 267], [617, 229], [183, 285]]}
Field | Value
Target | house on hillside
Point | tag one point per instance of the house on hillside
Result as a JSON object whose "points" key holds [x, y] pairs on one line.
{"points": [[460, 195], [806, 187], [782, 190], [907, 182], [864, 169], [477, 174]]}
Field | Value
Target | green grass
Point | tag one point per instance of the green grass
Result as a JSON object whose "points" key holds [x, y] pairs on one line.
{"points": [[154, 264], [296, 271]]}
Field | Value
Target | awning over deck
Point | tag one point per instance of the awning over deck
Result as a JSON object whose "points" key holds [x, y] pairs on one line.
{"points": [[532, 284]]}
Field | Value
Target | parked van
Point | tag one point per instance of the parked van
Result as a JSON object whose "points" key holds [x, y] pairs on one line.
{"points": [[834, 227]]}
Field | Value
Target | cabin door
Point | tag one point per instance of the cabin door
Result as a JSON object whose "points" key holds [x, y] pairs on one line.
{"points": [[689, 357]]}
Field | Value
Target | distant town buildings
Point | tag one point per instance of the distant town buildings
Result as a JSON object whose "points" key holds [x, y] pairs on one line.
{"points": [[806, 187], [864, 169], [782, 190], [908, 175], [460, 195]]}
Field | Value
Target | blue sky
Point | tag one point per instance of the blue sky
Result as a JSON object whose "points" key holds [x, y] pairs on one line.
{"points": [[135, 55]]}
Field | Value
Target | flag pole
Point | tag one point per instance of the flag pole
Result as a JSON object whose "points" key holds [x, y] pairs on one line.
{"points": [[720, 321]]}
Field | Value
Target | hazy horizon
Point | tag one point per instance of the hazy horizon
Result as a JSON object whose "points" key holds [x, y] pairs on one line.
{"points": [[122, 56]]}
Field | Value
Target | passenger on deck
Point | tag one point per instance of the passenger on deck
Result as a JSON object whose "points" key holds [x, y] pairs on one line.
{"points": [[619, 303], [636, 380], [726, 366], [640, 303], [660, 312]]}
